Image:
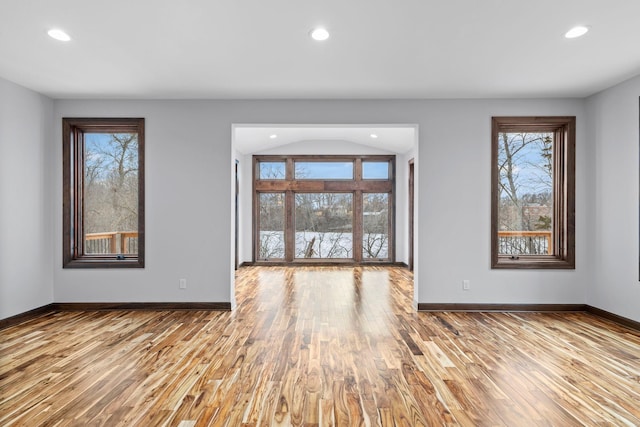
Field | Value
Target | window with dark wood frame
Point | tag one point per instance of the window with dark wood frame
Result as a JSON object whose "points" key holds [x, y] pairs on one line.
{"points": [[533, 193], [103, 188], [322, 209]]}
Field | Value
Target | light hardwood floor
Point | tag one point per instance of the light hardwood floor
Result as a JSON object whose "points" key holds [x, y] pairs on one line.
{"points": [[319, 346]]}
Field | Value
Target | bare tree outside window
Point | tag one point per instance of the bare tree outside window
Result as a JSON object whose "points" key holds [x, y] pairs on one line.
{"points": [[310, 208], [272, 170], [103, 192], [375, 225], [533, 192], [111, 190], [271, 226], [525, 162], [324, 225]]}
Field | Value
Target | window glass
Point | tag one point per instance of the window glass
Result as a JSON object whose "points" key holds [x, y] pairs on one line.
{"points": [[272, 170], [324, 225], [103, 193], [310, 207], [525, 201], [271, 226], [110, 193], [375, 170], [323, 170], [533, 192], [375, 225]]}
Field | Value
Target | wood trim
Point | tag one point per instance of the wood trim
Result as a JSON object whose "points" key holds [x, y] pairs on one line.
{"points": [[289, 226], [236, 214], [357, 223], [155, 306], [319, 262], [226, 306], [392, 210], [90, 306], [26, 316], [564, 128], [620, 320], [355, 186], [500, 307], [411, 210], [277, 186], [73, 130]]}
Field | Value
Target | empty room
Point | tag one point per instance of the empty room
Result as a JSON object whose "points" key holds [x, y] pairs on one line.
{"points": [[250, 213]]}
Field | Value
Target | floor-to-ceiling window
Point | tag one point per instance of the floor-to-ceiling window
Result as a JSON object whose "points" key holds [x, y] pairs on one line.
{"points": [[324, 208]]}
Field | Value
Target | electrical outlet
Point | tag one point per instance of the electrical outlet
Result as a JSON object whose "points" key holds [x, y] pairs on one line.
{"points": [[466, 285], [183, 284]]}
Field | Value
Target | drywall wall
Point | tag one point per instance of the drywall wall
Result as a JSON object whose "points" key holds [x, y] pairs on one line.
{"points": [[455, 207], [25, 200], [403, 211], [614, 137], [188, 171], [189, 203]]}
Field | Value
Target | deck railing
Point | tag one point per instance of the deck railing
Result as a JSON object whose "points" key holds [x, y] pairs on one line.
{"points": [[525, 243], [509, 242], [112, 242]]}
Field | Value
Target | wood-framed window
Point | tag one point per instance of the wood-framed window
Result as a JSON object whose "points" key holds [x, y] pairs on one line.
{"points": [[324, 208], [103, 192], [533, 192]]}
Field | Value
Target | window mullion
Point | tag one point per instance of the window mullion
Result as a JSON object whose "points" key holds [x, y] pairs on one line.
{"points": [[341, 194], [357, 225], [290, 226], [79, 194]]}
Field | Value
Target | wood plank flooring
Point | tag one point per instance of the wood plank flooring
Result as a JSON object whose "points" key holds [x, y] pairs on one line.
{"points": [[319, 346]]}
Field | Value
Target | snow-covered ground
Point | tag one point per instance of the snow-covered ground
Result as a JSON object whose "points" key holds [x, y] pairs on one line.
{"points": [[325, 245]]}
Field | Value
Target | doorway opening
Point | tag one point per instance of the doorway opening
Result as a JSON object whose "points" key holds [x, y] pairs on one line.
{"points": [[370, 203]]}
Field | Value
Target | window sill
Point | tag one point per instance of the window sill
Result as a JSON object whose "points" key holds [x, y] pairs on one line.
{"points": [[530, 262], [103, 263]]}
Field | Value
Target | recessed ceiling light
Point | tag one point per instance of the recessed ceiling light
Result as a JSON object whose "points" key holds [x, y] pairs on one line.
{"points": [[273, 136], [373, 135], [59, 35], [575, 32], [319, 34]]}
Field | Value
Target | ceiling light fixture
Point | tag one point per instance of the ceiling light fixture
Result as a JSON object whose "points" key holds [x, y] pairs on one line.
{"points": [[319, 34], [373, 136], [576, 32], [59, 35], [273, 136]]}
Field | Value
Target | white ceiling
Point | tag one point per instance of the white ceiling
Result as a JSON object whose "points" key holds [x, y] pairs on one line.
{"points": [[257, 49], [255, 138]]}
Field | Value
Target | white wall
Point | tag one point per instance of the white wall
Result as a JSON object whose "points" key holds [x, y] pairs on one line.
{"points": [[26, 222], [455, 207], [613, 133], [403, 212], [189, 199], [188, 187]]}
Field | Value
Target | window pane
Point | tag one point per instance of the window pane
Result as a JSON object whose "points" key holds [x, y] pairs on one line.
{"points": [[525, 202], [324, 225], [272, 170], [324, 170], [271, 226], [111, 193], [375, 225], [375, 170]]}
